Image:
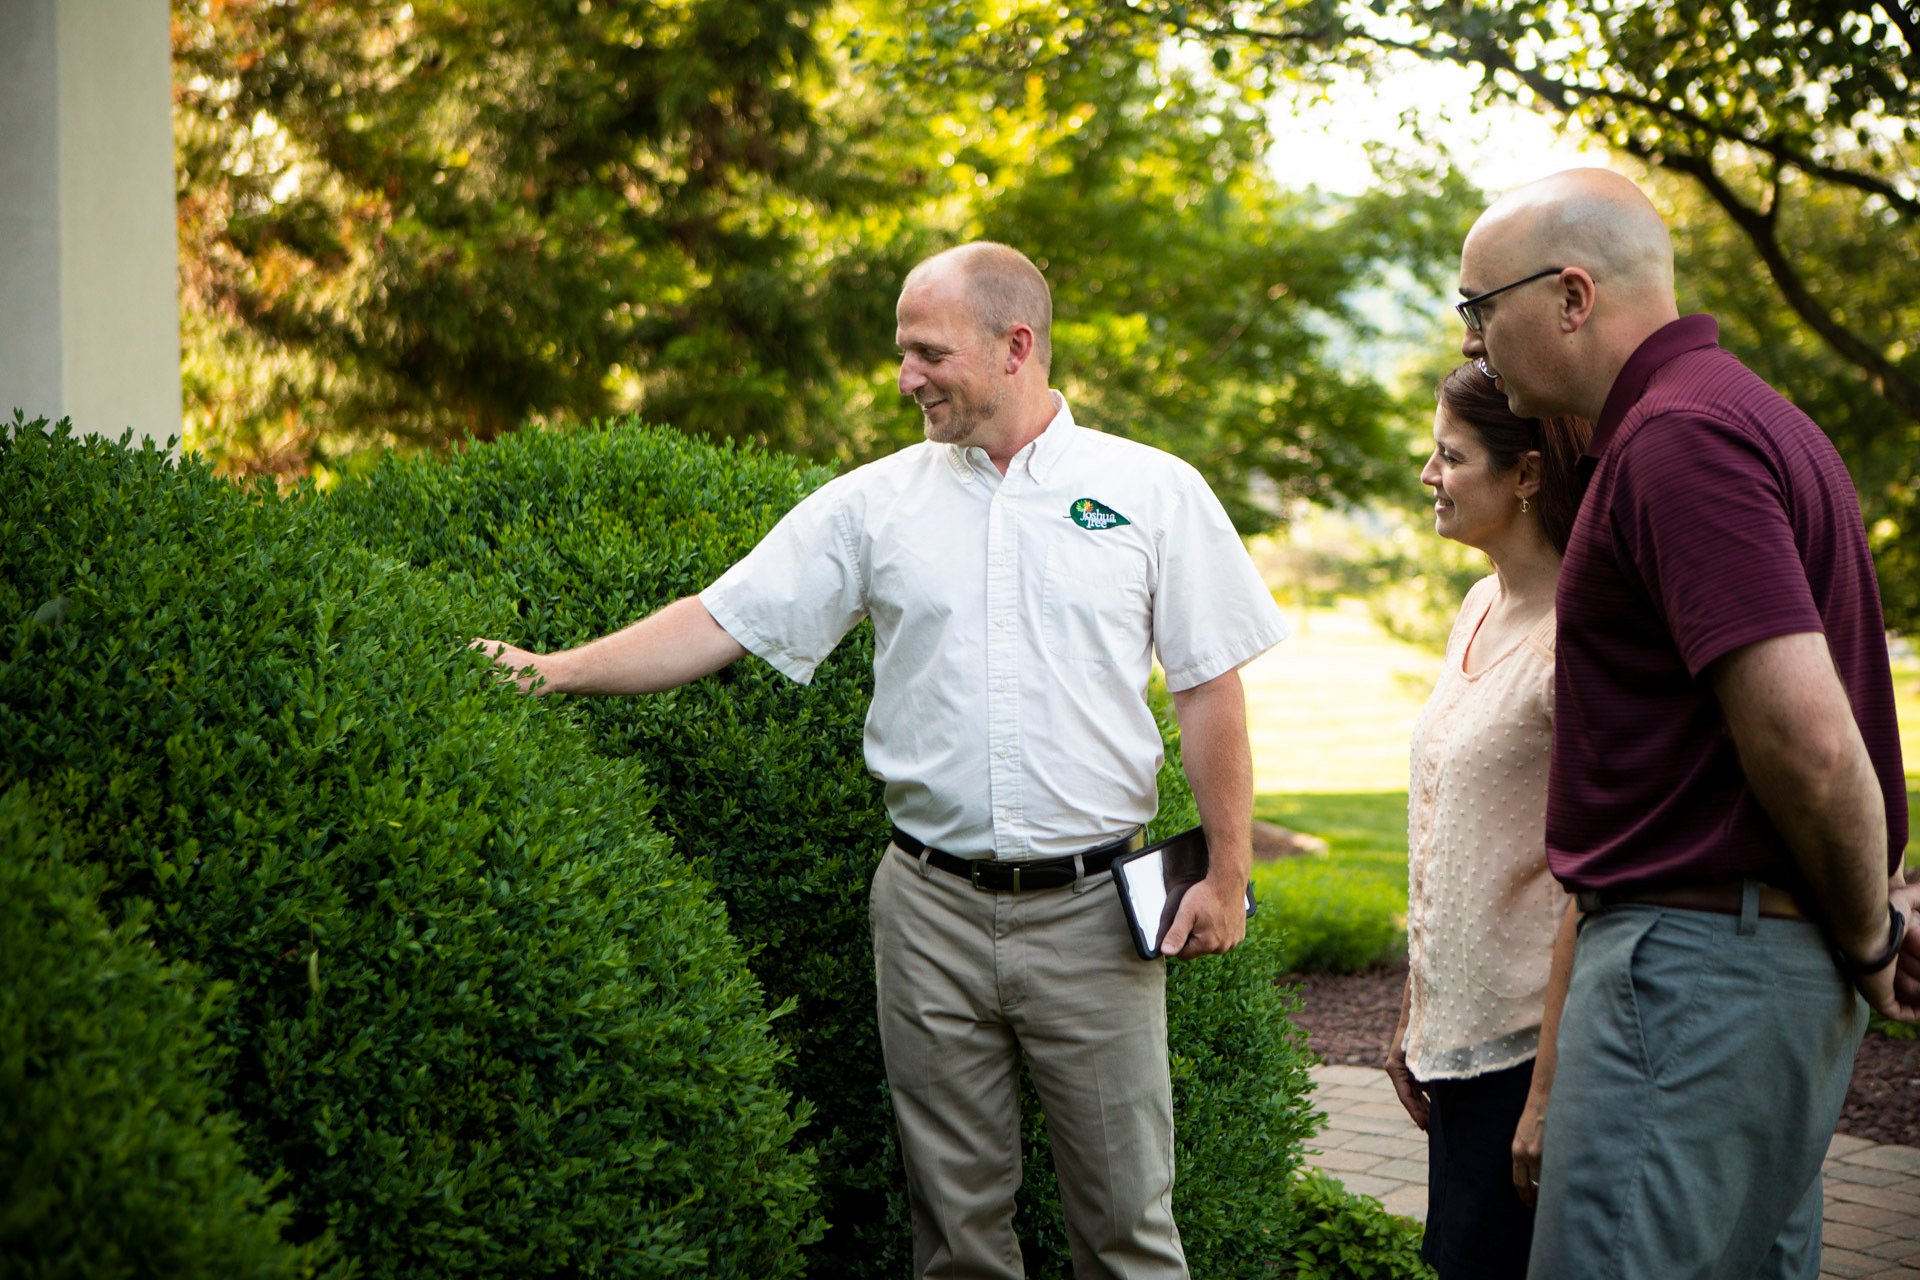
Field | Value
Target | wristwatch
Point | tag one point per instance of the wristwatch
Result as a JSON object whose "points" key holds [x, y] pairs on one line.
{"points": [[1896, 930]]}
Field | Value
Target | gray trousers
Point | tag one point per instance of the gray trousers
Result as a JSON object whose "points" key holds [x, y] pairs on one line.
{"points": [[1703, 1061], [967, 980]]}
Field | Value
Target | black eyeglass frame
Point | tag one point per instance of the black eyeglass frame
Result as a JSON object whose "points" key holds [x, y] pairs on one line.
{"points": [[1468, 308]]}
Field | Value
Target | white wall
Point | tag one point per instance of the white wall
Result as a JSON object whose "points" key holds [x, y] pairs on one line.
{"points": [[89, 291]]}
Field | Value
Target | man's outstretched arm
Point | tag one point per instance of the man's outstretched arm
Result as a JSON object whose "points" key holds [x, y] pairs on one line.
{"points": [[664, 650]]}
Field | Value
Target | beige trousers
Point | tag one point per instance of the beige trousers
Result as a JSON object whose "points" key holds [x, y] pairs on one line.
{"points": [[967, 980]]}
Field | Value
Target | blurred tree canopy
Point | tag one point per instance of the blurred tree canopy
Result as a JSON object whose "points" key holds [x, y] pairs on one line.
{"points": [[1791, 126], [401, 223], [404, 223]]}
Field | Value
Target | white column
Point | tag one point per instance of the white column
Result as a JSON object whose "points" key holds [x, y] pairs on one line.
{"points": [[89, 288]]}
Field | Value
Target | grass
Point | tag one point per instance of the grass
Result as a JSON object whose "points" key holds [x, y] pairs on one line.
{"points": [[1330, 714]]}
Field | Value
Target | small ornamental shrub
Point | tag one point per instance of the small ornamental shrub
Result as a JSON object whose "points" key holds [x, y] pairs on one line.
{"points": [[477, 1013], [560, 538], [1337, 919], [115, 1157], [1344, 1236]]}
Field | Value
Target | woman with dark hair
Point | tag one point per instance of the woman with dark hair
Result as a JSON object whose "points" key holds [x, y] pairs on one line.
{"points": [[1489, 936]]}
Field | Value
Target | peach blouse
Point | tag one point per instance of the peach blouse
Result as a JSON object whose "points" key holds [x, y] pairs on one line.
{"points": [[1482, 908]]}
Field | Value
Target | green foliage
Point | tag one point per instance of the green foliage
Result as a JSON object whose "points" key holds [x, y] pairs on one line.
{"points": [[1333, 920], [1792, 131], [762, 782], [118, 1158], [1350, 1237], [402, 224], [1345, 911], [1793, 125], [477, 1012]]}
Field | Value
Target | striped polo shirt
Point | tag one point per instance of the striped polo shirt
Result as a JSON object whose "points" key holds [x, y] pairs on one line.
{"points": [[1716, 515]]}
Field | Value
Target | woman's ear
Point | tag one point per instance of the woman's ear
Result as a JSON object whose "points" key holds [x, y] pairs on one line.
{"points": [[1527, 483]]}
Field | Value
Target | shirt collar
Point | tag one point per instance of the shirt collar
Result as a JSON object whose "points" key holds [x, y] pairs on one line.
{"points": [[1039, 456], [1662, 346]]}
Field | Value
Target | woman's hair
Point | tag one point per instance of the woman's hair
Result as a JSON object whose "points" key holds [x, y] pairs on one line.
{"points": [[1471, 397]]}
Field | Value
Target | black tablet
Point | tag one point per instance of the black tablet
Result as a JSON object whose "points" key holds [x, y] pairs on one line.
{"points": [[1151, 882]]}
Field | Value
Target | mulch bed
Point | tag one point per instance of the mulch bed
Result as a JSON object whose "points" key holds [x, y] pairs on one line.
{"points": [[1348, 1018]]}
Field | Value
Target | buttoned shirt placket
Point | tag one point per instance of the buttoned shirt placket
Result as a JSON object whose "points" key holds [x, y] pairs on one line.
{"points": [[1003, 652]]}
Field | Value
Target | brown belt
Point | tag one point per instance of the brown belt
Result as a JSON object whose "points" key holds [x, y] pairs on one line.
{"points": [[1722, 899]]}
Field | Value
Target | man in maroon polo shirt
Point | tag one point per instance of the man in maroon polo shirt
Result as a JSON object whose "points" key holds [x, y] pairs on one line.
{"points": [[1726, 794]]}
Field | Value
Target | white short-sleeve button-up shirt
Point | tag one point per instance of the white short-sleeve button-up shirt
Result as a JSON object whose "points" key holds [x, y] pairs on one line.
{"points": [[1015, 622]]}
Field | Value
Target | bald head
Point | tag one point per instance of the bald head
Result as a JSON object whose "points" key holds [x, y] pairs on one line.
{"points": [[1570, 275], [1590, 218], [1003, 289]]}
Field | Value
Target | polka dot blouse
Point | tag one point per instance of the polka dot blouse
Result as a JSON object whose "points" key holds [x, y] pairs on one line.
{"points": [[1482, 907]]}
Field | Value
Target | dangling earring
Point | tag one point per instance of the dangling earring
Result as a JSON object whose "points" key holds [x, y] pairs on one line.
{"points": [[1523, 505]]}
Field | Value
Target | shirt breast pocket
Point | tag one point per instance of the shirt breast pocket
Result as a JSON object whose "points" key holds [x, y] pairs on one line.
{"points": [[1095, 607]]}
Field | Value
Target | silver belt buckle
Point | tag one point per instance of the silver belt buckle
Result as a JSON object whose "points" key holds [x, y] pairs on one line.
{"points": [[976, 865]]}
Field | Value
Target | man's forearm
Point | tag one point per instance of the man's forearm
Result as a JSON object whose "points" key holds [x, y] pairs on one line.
{"points": [[1809, 769], [664, 650], [1559, 978], [1219, 765]]}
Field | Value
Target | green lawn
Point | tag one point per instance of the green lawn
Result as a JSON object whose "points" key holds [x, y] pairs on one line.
{"points": [[1330, 712]]}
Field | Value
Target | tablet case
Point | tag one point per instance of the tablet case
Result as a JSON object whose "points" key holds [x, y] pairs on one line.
{"points": [[1151, 882]]}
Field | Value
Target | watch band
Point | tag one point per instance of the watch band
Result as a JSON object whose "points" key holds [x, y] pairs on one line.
{"points": [[1896, 931]]}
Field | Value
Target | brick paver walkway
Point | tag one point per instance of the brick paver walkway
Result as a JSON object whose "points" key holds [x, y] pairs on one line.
{"points": [[1872, 1224]]}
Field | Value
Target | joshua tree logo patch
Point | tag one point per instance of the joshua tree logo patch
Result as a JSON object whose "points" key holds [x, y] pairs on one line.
{"points": [[1091, 513]]}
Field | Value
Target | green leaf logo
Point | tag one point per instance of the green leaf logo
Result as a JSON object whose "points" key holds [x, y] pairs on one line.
{"points": [[1091, 513]]}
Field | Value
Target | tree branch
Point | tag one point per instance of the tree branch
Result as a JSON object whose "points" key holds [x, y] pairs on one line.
{"points": [[1493, 57], [1887, 380]]}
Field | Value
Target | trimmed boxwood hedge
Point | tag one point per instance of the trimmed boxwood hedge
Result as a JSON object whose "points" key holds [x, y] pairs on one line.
{"points": [[115, 1159], [557, 538], [470, 1004]]}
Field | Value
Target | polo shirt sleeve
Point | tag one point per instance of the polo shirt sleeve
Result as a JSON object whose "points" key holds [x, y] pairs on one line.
{"points": [[793, 597], [1211, 611], [1701, 512]]}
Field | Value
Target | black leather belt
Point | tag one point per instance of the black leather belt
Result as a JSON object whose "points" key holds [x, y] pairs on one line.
{"points": [[1016, 877]]}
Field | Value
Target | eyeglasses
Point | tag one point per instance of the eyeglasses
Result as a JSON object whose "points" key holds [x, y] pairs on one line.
{"points": [[1469, 308]]}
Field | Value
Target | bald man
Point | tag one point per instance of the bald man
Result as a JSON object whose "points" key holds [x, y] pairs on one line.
{"points": [[1726, 796], [1021, 572]]}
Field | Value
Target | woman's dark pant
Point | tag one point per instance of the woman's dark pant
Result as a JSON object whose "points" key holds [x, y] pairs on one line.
{"points": [[1477, 1227]]}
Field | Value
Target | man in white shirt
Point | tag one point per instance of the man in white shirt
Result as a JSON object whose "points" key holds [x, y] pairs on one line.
{"points": [[1020, 572]]}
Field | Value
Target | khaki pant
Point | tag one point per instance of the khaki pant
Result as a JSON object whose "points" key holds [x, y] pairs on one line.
{"points": [[966, 981]]}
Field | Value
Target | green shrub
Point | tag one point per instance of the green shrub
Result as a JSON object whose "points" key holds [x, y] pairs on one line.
{"points": [[762, 782], [1335, 919], [479, 1014], [116, 1158], [1349, 1237]]}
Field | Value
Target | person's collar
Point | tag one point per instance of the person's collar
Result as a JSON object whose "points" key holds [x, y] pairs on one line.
{"points": [[1038, 455], [1044, 453], [1664, 345]]}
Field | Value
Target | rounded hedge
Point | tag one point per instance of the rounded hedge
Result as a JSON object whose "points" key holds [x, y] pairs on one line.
{"points": [[557, 538], [116, 1158], [476, 1011]]}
